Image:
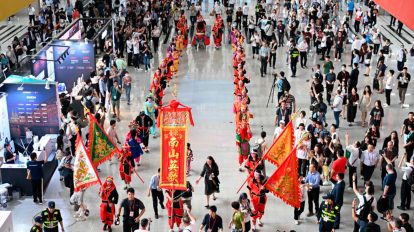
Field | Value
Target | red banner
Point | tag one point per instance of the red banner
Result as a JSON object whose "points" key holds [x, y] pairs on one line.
{"points": [[282, 146], [284, 182], [401, 9], [173, 121]]}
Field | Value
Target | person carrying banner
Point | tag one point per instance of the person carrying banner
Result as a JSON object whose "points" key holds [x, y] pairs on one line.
{"points": [[174, 208], [257, 193], [144, 123], [126, 165], [109, 197], [218, 29]]}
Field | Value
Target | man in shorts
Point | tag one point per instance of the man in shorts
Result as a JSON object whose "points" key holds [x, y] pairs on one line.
{"points": [[115, 95]]}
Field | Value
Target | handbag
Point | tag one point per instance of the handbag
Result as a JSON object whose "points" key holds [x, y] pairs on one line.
{"points": [[29, 175]]}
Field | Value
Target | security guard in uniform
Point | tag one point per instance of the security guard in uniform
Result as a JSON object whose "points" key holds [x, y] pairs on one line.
{"points": [[327, 214], [51, 217], [37, 227]]}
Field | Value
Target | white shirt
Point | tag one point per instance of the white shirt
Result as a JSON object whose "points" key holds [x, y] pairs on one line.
{"points": [[369, 158], [299, 121], [303, 46], [389, 82], [278, 131], [357, 44], [361, 202], [245, 10], [400, 55], [354, 157], [302, 151], [141, 230], [407, 170], [190, 228], [337, 103], [31, 10]]}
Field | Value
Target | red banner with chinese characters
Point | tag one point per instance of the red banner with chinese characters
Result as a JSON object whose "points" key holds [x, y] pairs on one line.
{"points": [[173, 121], [284, 182]]}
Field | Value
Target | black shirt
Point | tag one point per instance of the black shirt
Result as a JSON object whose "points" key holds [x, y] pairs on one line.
{"points": [[403, 81], [8, 155], [35, 168], [406, 123], [213, 224], [131, 206], [372, 227]]}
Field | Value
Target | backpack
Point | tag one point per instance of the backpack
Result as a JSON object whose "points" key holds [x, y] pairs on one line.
{"points": [[365, 209], [404, 58], [89, 105], [285, 85], [410, 178]]}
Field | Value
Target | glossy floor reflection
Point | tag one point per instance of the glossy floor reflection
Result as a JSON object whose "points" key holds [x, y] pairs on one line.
{"points": [[205, 83]]}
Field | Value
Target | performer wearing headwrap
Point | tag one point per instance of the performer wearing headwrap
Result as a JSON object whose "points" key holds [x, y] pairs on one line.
{"points": [[243, 136], [257, 193], [126, 165], [109, 198], [174, 208], [218, 30], [144, 123]]}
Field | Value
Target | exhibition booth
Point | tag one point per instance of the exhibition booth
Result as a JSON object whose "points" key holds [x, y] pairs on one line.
{"points": [[31, 125], [30, 109]]}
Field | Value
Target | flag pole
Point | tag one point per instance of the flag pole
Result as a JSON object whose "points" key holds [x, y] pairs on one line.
{"points": [[300, 141]]}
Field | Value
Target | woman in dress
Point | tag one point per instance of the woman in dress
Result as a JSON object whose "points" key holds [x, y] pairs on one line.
{"points": [[210, 173], [353, 101], [376, 115], [149, 109], [365, 104]]}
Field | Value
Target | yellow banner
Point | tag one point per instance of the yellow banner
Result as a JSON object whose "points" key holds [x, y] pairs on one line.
{"points": [[9, 8]]}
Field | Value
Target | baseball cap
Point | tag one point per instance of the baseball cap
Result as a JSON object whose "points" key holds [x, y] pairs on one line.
{"points": [[38, 219], [328, 196], [51, 204]]}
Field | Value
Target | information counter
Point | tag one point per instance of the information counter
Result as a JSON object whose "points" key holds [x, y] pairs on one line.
{"points": [[16, 174]]}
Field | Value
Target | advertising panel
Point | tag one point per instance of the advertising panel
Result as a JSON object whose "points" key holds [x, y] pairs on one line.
{"points": [[32, 106], [80, 61]]}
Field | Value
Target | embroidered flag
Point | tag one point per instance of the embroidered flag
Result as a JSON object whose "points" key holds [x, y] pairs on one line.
{"points": [[173, 121], [101, 147], [84, 174], [284, 181], [282, 146]]}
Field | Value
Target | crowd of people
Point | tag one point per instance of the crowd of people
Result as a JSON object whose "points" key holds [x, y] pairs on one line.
{"points": [[310, 29]]}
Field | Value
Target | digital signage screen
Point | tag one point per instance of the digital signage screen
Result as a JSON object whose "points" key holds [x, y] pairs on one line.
{"points": [[80, 61], [34, 107], [39, 65]]}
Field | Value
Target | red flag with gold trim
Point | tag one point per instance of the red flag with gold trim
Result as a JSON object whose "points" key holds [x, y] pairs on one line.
{"points": [[282, 146], [101, 147], [173, 121], [84, 173], [284, 182]]}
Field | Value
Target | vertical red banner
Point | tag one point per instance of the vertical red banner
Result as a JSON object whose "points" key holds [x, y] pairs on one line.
{"points": [[173, 121]]}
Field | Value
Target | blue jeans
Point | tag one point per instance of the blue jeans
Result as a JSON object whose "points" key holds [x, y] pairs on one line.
{"points": [[336, 116], [147, 62], [128, 92]]}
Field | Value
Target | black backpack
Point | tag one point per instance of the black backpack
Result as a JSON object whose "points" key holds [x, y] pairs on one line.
{"points": [[404, 58], [410, 178], [285, 85], [365, 209]]}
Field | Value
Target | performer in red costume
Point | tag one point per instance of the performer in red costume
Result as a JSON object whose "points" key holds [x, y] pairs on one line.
{"points": [[109, 198], [126, 165], [218, 29], [257, 193], [175, 208], [243, 136]]}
